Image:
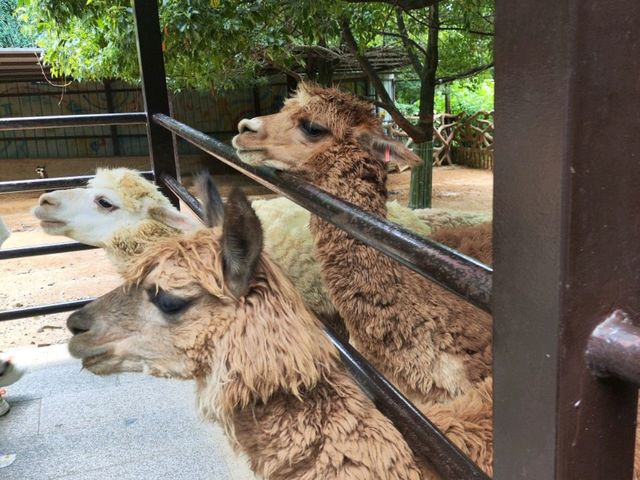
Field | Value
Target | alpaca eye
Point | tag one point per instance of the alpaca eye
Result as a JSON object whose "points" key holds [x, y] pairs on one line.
{"points": [[313, 130], [106, 204], [168, 303]]}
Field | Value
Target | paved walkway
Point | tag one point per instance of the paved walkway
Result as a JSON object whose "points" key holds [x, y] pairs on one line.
{"points": [[70, 424]]}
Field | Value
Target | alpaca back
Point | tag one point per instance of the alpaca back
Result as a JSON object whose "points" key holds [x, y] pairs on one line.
{"points": [[332, 433], [475, 241]]}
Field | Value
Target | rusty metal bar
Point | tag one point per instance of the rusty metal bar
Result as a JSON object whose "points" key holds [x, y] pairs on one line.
{"points": [[422, 436], [458, 273], [183, 194], [425, 439], [566, 230], [64, 121], [9, 253], [613, 349], [14, 186]]}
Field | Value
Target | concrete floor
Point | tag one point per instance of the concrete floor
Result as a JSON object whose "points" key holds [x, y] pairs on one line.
{"points": [[70, 424]]}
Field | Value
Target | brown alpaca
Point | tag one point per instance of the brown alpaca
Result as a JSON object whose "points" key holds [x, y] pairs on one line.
{"points": [[212, 307], [429, 342], [434, 345]]}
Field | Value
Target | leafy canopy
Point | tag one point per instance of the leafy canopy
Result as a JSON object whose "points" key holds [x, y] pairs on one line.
{"points": [[220, 44], [10, 35], [208, 44]]}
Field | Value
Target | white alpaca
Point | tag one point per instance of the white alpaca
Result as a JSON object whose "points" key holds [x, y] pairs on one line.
{"points": [[122, 212]]}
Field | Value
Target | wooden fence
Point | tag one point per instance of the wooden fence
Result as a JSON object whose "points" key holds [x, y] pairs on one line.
{"points": [[459, 139]]}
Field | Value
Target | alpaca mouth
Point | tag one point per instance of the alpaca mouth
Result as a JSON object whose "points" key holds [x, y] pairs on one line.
{"points": [[52, 223], [252, 156], [45, 221], [88, 362]]}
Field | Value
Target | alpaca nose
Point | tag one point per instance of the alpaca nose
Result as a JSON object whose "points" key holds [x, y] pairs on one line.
{"points": [[79, 322], [48, 200], [249, 125]]}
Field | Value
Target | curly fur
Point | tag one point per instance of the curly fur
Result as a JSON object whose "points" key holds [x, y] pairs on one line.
{"points": [[475, 240], [137, 193], [290, 244], [132, 241]]}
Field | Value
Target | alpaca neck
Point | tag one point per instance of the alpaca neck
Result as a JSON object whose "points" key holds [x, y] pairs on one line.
{"points": [[371, 274], [350, 173], [273, 348]]}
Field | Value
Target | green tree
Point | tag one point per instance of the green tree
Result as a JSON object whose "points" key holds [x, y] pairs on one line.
{"points": [[208, 45], [10, 35]]}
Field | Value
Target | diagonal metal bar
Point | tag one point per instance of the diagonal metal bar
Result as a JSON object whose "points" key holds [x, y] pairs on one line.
{"points": [[458, 273]]}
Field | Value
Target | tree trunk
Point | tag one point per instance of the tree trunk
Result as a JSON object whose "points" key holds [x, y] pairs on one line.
{"points": [[420, 189], [421, 177]]}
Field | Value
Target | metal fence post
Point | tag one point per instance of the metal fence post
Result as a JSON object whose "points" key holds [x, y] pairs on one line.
{"points": [[566, 230], [154, 91]]}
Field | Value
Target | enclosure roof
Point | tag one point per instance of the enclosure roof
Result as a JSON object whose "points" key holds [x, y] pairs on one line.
{"points": [[25, 64], [382, 59], [22, 65]]}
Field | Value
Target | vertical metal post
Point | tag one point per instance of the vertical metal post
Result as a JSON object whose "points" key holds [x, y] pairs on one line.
{"points": [[154, 91], [566, 233]]}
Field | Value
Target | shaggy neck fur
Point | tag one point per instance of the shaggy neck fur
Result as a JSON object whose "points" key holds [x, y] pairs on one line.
{"points": [[267, 348], [421, 336], [275, 384]]}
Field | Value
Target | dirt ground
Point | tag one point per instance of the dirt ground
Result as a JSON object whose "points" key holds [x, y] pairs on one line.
{"points": [[56, 278]]}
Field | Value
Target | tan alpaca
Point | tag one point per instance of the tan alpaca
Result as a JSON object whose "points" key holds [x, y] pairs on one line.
{"points": [[211, 306]]}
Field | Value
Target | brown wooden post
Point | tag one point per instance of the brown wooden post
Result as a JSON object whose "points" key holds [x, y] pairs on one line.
{"points": [[567, 230], [154, 91]]}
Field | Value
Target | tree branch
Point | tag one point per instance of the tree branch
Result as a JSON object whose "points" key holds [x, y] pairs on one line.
{"points": [[403, 4], [406, 41], [467, 73], [474, 32], [415, 44], [374, 78]]}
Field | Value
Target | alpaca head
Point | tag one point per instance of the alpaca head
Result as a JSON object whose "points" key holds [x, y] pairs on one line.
{"points": [[181, 297], [310, 129], [114, 201], [41, 171]]}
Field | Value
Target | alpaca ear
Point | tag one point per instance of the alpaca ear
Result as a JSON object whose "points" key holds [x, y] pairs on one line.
{"points": [[241, 243], [174, 218], [388, 150], [211, 200]]}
